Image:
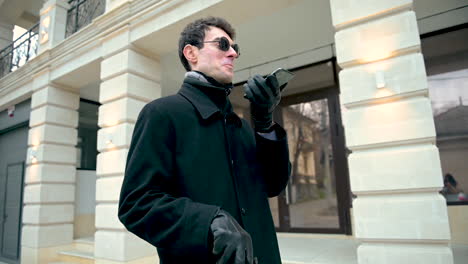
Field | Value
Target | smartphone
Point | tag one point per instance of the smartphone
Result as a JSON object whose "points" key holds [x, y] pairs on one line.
{"points": [[283, 76]]}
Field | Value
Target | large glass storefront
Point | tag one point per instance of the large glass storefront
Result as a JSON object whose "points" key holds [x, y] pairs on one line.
{"points": [[446, 58], [317, 196]]}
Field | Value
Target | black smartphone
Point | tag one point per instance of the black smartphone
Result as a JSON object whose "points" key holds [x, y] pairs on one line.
{"points": [[283, 76]]}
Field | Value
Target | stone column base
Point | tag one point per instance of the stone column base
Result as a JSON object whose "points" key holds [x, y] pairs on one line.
{"points": [[42, 255]]}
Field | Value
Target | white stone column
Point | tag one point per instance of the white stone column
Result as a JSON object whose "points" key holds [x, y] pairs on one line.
{"points": [[130, 79], [49, 191], [6, 34], [53, 23], [395, 170]]}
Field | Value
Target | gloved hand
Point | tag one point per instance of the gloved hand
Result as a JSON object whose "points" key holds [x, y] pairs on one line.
{"points": [[265, 95], [231, 243]]}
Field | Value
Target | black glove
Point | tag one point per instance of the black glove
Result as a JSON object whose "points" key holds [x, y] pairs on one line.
{"points": [[231, 243], [265, 95]]}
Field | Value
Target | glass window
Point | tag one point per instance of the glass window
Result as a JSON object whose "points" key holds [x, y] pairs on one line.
{"points": [[87, 135], [316, 198], [446, 58], [311, 192]]}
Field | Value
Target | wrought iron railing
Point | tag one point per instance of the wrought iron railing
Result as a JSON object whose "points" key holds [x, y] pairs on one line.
{"points": [[82, 13], [24, 48], [19, 51]]}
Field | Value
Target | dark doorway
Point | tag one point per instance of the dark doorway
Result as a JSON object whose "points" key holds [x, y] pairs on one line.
{"points": [[13, 149]]}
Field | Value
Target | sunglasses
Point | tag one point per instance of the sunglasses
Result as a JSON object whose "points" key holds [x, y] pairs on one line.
{"points": [[223, 44]]}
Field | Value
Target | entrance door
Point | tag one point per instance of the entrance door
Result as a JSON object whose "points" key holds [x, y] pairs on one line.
{"points": [[317, 197], [13, 148]]}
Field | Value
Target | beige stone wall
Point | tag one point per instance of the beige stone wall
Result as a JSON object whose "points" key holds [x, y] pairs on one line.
{"points": [[458, 216], [84, 225], [85, 204]]}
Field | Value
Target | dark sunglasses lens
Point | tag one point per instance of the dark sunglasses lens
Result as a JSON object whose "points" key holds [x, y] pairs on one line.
{"points": [[236, 48], [224, 44]]}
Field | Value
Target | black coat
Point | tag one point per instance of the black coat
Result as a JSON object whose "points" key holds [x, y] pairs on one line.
{"points": [[187, 159]]}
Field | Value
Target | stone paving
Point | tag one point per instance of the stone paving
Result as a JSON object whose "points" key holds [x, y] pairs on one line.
{"points": [[333, 249]]}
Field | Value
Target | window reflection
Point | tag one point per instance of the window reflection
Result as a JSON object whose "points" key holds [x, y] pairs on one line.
{"points": [[449, 99], [446, 58], [311, 194]]}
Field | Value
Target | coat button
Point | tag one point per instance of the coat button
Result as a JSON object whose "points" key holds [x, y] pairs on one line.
{"points": [[243, 211]]}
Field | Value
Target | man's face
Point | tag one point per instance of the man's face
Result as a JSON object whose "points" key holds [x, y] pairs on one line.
{"points": [[214, 62]]}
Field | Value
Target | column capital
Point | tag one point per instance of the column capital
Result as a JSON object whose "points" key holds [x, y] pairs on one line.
{"points": [[50, 4], [53, 23]]}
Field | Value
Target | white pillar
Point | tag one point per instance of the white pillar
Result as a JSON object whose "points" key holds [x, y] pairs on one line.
{"points": [[6, 34], [49, 191], [129, 80], [53, 23], [395, 170]]}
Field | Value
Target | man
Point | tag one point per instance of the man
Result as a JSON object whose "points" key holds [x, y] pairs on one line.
{"points": [[198, 178]]}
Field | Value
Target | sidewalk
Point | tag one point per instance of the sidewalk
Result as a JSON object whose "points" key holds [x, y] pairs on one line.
{"points": [[333, 249]]}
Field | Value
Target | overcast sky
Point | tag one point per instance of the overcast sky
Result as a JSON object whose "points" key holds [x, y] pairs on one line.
{"points": [[447, 89]]}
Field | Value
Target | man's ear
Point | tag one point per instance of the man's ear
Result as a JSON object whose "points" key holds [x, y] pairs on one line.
{"points": [[191, 54]]}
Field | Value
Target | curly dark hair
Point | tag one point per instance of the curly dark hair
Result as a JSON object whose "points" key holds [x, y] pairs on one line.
{"points": [[194, 34]]}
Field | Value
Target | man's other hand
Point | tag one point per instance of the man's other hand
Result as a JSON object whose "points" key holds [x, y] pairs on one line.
{"points": [[231, 243]]}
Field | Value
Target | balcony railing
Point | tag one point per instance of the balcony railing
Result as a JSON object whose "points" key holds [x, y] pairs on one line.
{"points": [[19, 51], [24, 48], [82, 13]]}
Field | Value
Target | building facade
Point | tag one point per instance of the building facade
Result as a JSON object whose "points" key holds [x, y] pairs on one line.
{"points": [[376, 118]]}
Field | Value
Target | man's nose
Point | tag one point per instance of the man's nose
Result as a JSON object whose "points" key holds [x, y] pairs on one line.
{"points": [[232, 52]]}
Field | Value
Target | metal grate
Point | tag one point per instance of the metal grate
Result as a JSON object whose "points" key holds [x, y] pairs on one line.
{"points": [[19, 51], [82, 13]]}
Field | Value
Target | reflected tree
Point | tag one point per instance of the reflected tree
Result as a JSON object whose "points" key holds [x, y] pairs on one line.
{"points": [[307, 125]]}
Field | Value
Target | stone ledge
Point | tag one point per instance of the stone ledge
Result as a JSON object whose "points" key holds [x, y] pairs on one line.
{"points": [[347, 13]]}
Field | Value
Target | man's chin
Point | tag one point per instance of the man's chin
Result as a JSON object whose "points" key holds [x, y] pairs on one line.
{"points": [[227, 81], [224, 79]]}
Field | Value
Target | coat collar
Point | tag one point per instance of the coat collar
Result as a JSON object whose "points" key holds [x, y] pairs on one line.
{"points": [[204, 106], [192, 91]]}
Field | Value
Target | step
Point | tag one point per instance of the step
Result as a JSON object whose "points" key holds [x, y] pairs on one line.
{"points": [[76, 256], [84, 244]]}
